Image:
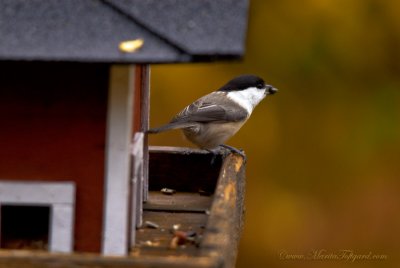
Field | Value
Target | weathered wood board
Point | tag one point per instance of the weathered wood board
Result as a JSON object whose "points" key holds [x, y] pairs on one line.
{"points": [[215, 214]]}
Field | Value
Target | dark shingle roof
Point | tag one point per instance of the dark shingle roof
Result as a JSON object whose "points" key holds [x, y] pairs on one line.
{"points": [[91, 30]]}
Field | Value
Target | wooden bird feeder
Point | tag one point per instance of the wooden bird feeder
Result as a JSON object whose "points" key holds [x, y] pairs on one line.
{"points": [[79, 185]]}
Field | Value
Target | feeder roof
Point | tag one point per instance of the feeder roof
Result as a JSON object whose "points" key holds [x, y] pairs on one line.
{"points": [[97, 30]]}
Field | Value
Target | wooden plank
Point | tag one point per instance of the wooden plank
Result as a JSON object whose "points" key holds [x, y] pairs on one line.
{"points": [[177, 150], [137, 96], [118, 153], [136, 195], [37, 192], [163, 213], [61, 228], [145, 104], [220, 236], [161, 237], [226, 219], [178, 202], [27, 259]]}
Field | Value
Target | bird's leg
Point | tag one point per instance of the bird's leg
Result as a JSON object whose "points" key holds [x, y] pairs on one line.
{"points": [[214, 153], [235, 150]]}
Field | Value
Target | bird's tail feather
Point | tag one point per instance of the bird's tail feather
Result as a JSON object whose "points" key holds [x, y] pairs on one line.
{"points": [[169, 126]]}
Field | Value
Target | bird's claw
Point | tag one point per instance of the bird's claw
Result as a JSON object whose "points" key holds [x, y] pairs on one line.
{"points": [[215, 153], [230, 149]]}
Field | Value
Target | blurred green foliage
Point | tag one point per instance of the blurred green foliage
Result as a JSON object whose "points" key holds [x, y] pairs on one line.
{"points": [[324, 153]]}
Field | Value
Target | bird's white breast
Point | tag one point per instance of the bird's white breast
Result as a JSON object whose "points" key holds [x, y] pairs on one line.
{"points": [[248, 98]]}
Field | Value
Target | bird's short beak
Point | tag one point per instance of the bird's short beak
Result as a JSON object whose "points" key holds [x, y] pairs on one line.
{"points": [[271, 90]]}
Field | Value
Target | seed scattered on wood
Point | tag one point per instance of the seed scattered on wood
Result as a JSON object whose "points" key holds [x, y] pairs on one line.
{"points": [[168, 191], [174, 242], [191, 233], [149, 243], [180, 238], [152, 225], [176, 227], [204, 193]]}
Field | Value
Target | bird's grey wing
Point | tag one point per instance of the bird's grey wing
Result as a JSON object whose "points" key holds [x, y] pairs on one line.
{"points": [[205, 110], [210, 108]]}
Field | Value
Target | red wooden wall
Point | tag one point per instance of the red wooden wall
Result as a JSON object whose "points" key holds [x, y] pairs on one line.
{"points": [[52, 127], [137, 104]]}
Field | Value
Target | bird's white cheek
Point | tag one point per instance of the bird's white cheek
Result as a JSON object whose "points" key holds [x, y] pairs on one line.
{"points": [[248, 98]]}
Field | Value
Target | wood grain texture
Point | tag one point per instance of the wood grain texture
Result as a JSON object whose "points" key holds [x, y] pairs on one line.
{"points": [[178, 202], [145, 121], [226, 219], [218, 218]]}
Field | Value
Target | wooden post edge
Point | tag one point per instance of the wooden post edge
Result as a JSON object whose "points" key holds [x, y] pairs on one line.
{"points": [[225, 223]]}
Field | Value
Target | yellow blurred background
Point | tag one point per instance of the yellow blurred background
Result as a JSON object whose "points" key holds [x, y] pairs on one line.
{"points": [[324, 152]]}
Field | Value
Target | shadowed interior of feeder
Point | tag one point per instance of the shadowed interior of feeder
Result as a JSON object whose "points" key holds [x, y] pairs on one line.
{"points": [[181, 186], [186, 170], [25, 227]]}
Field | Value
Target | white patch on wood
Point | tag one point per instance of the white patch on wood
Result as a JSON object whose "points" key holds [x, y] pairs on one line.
{"points": [[248, 98], [118, 160], [136, 185], [61, 226]]}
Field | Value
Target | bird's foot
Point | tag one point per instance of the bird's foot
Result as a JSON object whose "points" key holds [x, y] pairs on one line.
{"points": [[215, 153], [235, 150]]}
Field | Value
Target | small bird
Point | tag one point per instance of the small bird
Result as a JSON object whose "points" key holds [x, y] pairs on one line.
{"points": [[211, 120]]}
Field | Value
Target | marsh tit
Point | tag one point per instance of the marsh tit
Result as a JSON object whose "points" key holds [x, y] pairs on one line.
{"points": [[211, 120]]}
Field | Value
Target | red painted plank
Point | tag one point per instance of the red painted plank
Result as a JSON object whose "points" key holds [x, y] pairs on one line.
{"points": [[52, 127]]}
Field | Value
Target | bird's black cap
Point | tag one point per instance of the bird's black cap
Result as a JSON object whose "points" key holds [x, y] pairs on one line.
{"points": [[242, 82]]}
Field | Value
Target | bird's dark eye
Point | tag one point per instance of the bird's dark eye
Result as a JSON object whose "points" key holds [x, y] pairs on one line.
{"points": [[260, 86]]}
